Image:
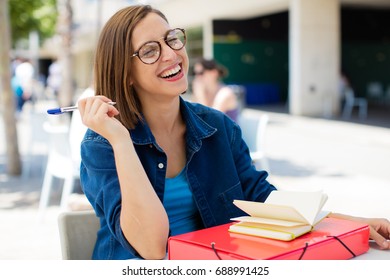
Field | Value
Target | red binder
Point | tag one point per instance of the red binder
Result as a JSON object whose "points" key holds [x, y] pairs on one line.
{"points": [[331, 239]]}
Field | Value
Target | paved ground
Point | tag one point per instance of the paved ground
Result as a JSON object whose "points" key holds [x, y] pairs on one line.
{"points": [[348, 160]]}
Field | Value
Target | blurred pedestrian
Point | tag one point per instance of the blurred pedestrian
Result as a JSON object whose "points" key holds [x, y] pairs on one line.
{"points": [[208, 88], [22, 83]]}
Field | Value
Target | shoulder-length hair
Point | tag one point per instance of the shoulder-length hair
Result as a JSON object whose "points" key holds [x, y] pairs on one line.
{"points": [[113, 62]]}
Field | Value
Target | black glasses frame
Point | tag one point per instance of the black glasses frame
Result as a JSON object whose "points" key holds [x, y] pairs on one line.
{"points": [[159, 44], [198, 73]]}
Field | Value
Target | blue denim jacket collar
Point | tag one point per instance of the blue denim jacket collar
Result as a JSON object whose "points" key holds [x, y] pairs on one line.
{"points": [[197, 129]]}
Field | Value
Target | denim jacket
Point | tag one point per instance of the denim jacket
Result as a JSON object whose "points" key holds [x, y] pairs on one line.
{"points": [[218, 169]]}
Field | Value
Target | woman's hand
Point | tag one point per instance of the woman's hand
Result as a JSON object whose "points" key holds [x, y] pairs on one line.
{"points": [[379, 231], [379, 228], [99, 116]]}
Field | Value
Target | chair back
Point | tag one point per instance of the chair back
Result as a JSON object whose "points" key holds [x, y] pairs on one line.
{"points": [[240, 93], [253, 131], [58, 163], [349, 96], [77, 130], [78, 233]]}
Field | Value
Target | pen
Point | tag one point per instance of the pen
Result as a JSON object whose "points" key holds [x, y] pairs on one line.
{"points": [[57, 111]]}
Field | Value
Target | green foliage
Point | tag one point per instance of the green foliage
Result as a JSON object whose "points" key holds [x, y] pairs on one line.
{"points": [[32, 15]]}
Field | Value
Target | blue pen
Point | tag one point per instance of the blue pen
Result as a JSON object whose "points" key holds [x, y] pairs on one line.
{"points": [[57, 111]]}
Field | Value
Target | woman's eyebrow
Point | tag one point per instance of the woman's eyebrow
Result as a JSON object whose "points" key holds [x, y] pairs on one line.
{"points": [[156, 40]]}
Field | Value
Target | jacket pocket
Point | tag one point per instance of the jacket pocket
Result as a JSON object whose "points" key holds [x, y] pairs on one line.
{"points": [[227, 198]]}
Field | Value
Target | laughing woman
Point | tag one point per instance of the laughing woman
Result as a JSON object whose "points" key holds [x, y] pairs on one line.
{"points": [[155, 165]]}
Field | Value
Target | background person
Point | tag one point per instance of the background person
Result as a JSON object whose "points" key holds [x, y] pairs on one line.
{"points": [[208, 89], [23, 83]]}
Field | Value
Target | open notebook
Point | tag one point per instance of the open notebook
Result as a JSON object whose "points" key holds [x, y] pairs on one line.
{"points": [[285, 215]]}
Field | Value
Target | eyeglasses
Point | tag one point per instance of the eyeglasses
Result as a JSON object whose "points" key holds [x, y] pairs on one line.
{"points": [[199, 73], [150, 52]]}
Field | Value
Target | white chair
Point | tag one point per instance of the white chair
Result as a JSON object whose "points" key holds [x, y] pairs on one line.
{"points": [[78, 233], [37, 143], [351, 101], [253, 133], [59, 165], [64, 157], [240, 93]]}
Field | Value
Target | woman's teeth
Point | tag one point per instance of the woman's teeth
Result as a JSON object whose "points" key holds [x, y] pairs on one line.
{"points": [[171, 72]]}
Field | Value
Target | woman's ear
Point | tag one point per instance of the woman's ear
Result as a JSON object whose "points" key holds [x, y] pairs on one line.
{"points": [[131, 80]]}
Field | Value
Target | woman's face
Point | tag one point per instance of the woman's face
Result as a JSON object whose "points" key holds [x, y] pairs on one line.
{"points": [[166, 77]]}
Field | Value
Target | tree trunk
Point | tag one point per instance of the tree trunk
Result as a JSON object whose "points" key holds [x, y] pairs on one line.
{"points": [[65, 97], [14, 166]]}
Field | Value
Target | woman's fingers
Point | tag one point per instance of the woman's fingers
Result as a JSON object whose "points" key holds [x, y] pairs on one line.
{"points": [[379, 239], [96, 109]]}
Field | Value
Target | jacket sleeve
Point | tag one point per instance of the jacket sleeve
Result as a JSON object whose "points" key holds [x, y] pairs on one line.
{"points": [[100, 183]]}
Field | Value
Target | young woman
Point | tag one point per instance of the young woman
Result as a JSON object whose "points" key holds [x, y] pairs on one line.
{"points": [[154, 165], [208, 89]]}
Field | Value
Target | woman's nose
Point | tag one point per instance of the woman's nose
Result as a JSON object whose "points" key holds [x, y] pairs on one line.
{"points": [[167, 53]]}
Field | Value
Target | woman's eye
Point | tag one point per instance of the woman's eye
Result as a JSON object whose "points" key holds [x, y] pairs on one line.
{"points": [[173, 42], [150, 52]]}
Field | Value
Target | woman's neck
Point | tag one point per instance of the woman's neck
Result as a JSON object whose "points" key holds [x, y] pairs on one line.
{"points": [[163, 117]]}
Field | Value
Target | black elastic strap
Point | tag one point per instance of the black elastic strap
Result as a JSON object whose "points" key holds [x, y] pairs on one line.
{"points": [[335, 237], [215, 251], [304, 251], [342, 243]]}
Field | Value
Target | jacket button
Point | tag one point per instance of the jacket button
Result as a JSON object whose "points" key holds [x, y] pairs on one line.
{"points": [[161, 165]]}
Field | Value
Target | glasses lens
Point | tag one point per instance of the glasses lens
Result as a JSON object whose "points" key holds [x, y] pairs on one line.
{"points": [[176, 39], [150, 52]]}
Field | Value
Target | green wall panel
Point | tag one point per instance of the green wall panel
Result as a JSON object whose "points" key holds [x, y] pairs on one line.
{"points": [[365, 63], [255, 62]]}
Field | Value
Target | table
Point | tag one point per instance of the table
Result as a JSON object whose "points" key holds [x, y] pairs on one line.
{"points": [[374, 253]]}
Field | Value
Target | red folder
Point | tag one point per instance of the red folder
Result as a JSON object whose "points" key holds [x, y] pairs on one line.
{"points": [[331, 239]]}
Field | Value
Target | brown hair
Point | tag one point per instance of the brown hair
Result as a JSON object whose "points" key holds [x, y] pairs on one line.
{"points": [[112, 70], [212, 64]]}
